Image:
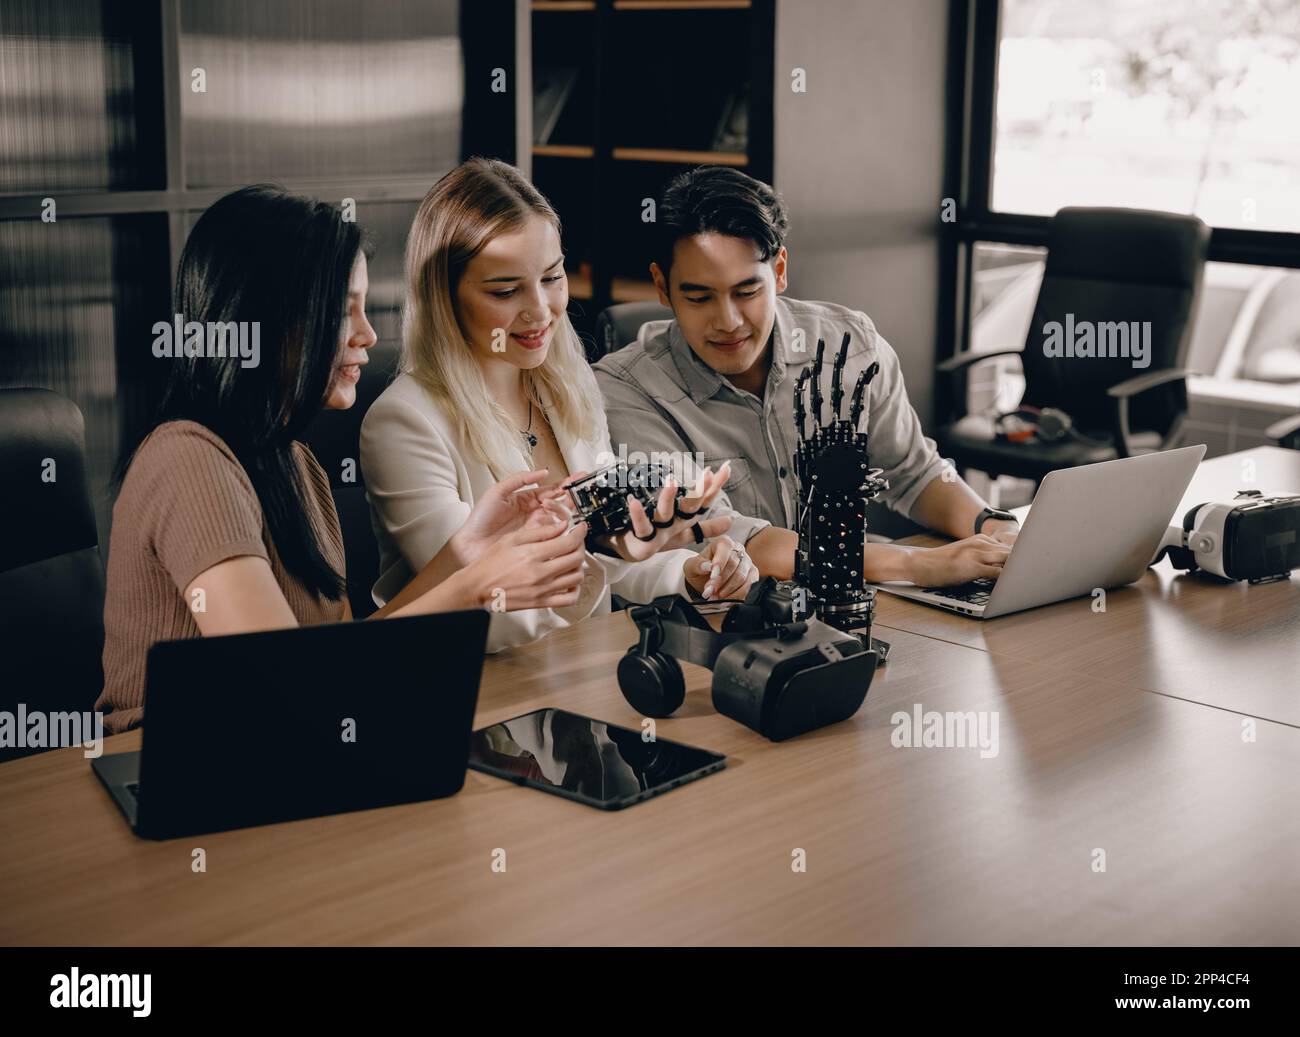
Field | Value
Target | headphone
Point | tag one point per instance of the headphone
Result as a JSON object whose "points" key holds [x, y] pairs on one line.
{"points": [[648, 674], [1046, 424]]}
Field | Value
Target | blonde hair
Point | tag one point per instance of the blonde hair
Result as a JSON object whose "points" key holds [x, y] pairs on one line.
{"points": [[474, 203]]}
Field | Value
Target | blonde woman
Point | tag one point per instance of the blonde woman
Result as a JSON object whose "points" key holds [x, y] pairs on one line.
{"points": [[494, 383]]}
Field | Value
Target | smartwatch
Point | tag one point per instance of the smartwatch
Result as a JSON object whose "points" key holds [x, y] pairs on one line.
{"points": [[993, 513]]}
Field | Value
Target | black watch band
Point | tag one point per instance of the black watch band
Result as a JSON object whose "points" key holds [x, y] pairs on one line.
{"points": [[993, 513]]}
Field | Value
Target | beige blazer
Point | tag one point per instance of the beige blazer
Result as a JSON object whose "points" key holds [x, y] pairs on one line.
{"points": [[421, 483]]}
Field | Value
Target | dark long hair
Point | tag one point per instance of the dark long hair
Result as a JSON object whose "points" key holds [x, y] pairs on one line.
{"points": [[262, 254]]}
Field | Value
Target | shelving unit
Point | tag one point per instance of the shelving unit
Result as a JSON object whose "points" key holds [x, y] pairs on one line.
{"points": [[681, 5], [564, 150], [717, 158], [596, 65]]}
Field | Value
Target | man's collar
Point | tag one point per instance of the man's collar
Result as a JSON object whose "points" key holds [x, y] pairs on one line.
{"points": [[702, 381], [781, 331]]}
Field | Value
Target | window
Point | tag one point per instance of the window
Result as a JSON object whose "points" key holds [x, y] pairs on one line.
{"points": [[1181, 105]]}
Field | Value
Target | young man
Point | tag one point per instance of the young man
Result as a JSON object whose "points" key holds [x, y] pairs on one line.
{"points": [[717, 383]]}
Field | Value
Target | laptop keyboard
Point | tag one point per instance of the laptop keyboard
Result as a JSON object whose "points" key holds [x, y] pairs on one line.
{"points": [[976, 592]]}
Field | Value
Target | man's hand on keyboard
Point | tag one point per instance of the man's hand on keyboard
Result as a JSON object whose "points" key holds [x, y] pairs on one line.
{"points": [[959, 562]]}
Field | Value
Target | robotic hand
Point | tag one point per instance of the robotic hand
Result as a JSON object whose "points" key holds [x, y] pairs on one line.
{"points": [[836, 481], [600, 499]]}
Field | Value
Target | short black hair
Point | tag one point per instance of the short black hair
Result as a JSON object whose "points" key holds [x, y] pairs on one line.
{"points": [[719, 200]]}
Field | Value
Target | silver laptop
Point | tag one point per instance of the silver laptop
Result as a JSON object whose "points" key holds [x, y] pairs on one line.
{"points": [[1088, 527]]}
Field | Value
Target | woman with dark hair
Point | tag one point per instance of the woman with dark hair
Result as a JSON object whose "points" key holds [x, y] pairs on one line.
{"points": [[224, 522]]}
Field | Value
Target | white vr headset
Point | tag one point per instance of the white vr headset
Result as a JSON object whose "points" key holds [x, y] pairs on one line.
{"points": [[1251, 537]]}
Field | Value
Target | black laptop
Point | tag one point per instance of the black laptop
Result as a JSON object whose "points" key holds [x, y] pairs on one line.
{"points": [[253, 729]]}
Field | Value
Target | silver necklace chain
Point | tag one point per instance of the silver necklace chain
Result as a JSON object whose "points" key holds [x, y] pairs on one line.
{"points": [[530, 437]]}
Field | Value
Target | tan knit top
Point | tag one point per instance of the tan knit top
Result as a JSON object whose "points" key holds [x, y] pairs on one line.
{"points": [[185, 505]]}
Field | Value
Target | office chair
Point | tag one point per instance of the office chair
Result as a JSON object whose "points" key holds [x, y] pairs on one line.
{"points": [[1286, 432], [334, 436], [51, 572], [618, 325], [1103, 266]]}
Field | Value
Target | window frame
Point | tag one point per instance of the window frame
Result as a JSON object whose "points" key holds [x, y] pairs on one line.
{"points": [[972, 104]]}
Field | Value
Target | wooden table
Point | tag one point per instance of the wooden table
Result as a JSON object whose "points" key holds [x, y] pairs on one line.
{"points": [[1187, 635], [903, 845]]}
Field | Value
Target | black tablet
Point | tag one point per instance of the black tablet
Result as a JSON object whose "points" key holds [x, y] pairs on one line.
{"points": [[591, 761]]}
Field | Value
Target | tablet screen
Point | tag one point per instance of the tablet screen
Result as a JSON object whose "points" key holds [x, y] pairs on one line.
{"points": [[585, 759]]}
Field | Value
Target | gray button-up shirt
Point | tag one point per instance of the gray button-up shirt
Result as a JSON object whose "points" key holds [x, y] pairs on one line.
{"points": [[659, 396]]}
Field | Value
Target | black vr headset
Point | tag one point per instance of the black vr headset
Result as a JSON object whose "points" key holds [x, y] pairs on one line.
{"points": [[780, 679]]}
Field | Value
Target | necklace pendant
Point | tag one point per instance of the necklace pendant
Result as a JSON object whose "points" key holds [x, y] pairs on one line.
{"points": [[531, 439]]}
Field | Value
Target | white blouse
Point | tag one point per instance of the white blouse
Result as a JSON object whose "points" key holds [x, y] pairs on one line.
{"points": [[421, 483]]}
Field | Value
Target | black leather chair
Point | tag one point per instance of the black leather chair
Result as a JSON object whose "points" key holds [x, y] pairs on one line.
{"points": [[51, 572], [1286, 432], [1103, 265], [334, 437], [618, 325]]}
